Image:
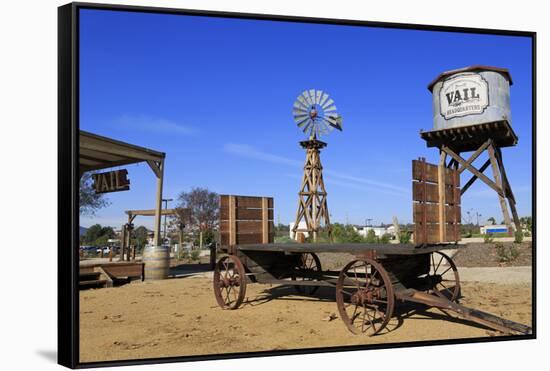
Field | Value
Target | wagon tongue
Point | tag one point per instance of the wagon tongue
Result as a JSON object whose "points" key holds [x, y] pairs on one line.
{"points": [[483, 318]]}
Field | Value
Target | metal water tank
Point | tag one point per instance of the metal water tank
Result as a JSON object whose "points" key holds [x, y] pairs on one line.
{"points": [[471, 96]]}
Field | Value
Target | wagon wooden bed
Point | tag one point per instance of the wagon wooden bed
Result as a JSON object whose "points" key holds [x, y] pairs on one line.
{"points": [[367, 289]]}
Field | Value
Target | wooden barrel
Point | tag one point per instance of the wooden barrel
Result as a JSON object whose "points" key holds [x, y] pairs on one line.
{"points": [[157, 262]]}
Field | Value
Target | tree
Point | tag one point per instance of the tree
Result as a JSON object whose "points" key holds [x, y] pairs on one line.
{"points": [[492, 220], [97, 235], [89, 201], [198, 208], [140, 237], [92, 233], [527, 221]]}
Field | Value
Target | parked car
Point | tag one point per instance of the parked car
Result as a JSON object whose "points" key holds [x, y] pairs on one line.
{"points": [[105, 250]]}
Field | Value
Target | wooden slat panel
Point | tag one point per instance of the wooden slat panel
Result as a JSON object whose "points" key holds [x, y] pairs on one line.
{"points": [[432, 215], [432, 193], [247, 226], [431, 173], [246, 214], [243, 239], [433, 233], [246, 202]]}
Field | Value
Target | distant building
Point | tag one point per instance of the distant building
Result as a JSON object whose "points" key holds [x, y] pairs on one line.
{"points": [[302, 225], [493, 228], [378, 231]]}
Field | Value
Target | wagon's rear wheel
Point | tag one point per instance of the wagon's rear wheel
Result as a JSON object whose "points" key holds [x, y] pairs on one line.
{"points": [[364, 296], [229, 282], [443, 276], [309, 264]]}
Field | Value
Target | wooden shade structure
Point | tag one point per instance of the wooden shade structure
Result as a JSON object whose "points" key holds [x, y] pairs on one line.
{"points": [[97, 152]]}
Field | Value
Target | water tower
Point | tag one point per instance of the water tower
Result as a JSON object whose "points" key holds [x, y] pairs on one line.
{"points": [[471, 114]]}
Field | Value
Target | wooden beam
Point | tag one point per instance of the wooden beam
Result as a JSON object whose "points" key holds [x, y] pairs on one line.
{"points": [[474, 177], [481, 176], [498, 180], [155, 167], [232, 221], [508, 189], [160, 179], [265, 221], [441, 171], [151, 212], [475, 155]]}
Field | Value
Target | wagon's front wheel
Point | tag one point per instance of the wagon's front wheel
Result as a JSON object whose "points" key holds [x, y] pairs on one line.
{"points": [[229, 282], [364, 295]]}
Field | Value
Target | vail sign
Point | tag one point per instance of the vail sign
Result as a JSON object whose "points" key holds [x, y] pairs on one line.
{"points": [[462, 95], [113, 181]]}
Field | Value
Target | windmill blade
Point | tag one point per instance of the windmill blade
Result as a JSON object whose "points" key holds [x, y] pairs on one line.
{"points": [[312, 96], [303, 101], [330, 109], [327, 104], [334, 122], [306, 128], [323, 99], [299, 113], [300, 106], [301, 122], [318, 96], [305, 94]]}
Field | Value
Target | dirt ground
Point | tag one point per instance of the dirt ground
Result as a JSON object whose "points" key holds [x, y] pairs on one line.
{"points": [[178, 317]]}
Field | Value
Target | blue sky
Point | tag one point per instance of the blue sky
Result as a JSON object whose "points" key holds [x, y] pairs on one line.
{"points": [[216, 95]]}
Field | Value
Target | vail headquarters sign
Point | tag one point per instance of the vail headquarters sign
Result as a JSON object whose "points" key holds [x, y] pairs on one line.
{"points": [[463, 95]]}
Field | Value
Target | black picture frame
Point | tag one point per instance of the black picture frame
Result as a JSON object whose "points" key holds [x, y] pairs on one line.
{"points": [[68, 153]]}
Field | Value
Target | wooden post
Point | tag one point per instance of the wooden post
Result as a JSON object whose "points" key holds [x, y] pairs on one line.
{"points": [[158, 206], [441, 170], [498, 181], [265, 221], [232, 221], [508, 189], [122, 242]]}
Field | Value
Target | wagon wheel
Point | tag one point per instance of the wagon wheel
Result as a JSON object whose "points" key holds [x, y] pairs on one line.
{"points": [[441, 286], [229, 282], [309, 262], [364, 295]]}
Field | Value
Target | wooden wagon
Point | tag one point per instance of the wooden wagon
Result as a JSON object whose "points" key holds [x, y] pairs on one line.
{"points": [[379, 276]]}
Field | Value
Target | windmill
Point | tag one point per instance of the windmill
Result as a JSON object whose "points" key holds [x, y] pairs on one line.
{"points": [[315, 113]]}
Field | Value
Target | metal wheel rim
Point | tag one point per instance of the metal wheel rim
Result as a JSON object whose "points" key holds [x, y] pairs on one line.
{"points": [[315, 265], [372, 319], [229, 269], [437, 268]]}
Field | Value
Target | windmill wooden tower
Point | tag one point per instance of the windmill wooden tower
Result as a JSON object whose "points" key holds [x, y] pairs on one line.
{"points": [[315, 113]]}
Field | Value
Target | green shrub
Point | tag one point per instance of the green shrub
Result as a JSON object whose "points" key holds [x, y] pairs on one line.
{"points": [[518, 237], [371, 237], [506, 254], [527, 234], [386, 237], [195, 255], [404, 237], [488, 238]]}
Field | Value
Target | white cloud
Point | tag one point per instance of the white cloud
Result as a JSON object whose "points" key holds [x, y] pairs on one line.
{"points": [[154, 125], [245, 150]]}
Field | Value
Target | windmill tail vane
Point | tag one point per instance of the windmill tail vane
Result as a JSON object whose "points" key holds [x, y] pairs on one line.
{"points": [[315, 113]]}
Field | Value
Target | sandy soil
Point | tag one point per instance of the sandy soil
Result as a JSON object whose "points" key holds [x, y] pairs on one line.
{"points": [[179, 317]]}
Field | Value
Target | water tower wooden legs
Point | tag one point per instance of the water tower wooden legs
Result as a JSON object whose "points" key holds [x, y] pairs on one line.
{"points": [[312, 198], [500, 184]]}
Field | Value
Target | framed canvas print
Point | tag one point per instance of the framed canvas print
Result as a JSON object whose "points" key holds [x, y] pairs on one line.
{"points": [[239, 185]]}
